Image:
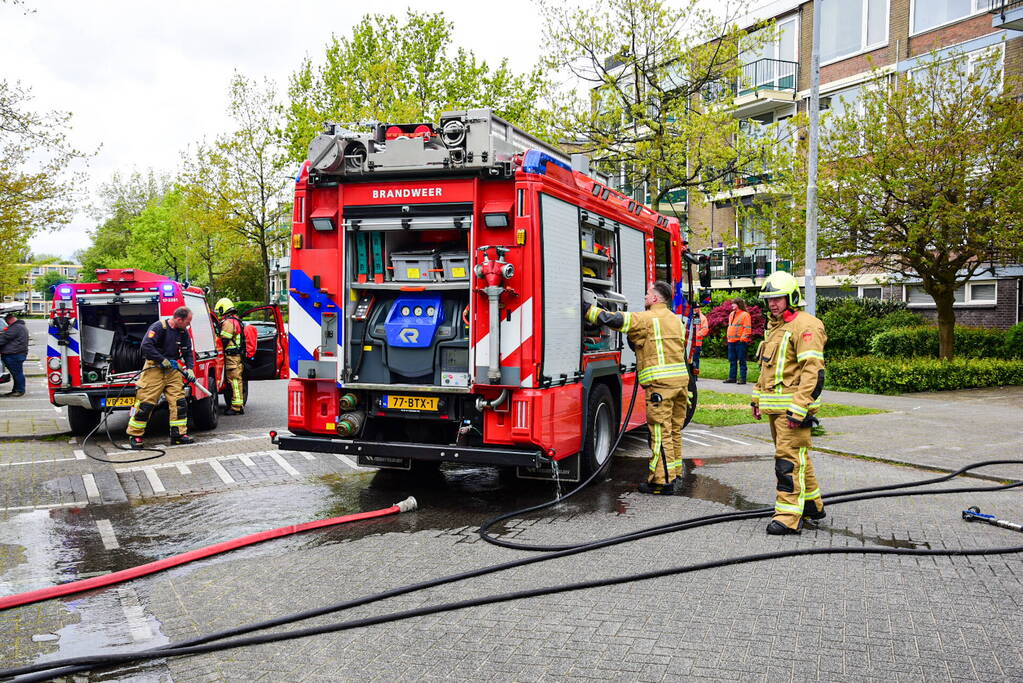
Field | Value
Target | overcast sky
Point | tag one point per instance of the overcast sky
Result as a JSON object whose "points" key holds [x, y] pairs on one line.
{"points": [[145, 79]]}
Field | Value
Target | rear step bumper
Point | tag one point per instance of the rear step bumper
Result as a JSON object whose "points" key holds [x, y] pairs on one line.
{"points": [[398, 454], [94, 399]]}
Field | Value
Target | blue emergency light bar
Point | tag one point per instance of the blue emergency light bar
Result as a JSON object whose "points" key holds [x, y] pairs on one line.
{"points": [[536, 162], [168, 289], [65, 292]]}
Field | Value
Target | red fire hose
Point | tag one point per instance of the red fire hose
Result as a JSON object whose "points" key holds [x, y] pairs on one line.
{"points": [[407, 505]]}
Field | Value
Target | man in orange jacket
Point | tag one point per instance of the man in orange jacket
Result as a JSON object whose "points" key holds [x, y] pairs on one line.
{"points": [[738, 335], [702, 329]]}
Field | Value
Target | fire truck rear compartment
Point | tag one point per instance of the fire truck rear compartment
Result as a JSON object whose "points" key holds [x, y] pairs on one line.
{"points": [[112, 334]]}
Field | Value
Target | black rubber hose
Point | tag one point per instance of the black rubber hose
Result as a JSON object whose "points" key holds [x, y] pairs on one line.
{"points": [[485, 527], [106, 425], [203, 644]]}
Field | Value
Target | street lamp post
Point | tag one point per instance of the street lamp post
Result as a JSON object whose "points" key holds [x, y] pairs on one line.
{"points": [[811, 185]]}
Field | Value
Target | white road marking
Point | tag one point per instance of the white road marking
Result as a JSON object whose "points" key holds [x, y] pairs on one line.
{"points": [[285, 465], [221, 472], [33, 462], [689, 439], [72, 504], [56, 409], [106, 534], [707, 433], [138, 625], [154, 480], [309, 456], [29, 410], [90, 486], [79, 455], [246, 460], [183, 468]]}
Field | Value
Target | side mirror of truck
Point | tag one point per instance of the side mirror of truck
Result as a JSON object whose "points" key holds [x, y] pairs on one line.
{"points": [[704, 271]]}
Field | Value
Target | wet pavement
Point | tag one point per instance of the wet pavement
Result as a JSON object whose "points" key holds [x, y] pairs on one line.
{"points": [[65, 515]]}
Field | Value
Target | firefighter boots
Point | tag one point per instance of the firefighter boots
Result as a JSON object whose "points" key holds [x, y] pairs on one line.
{"points": [[776, 528], [136, 443], [674, 488], [181, 440]]}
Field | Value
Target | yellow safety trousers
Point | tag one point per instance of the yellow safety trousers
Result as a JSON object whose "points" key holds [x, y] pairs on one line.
{"points": [[233, 369], [155, 382], [797, 482], [664, 419]]}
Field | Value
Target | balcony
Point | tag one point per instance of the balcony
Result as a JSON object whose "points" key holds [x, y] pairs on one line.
{"points": [[765, 85], [754, 263], [747, 183], [1007, 15]]}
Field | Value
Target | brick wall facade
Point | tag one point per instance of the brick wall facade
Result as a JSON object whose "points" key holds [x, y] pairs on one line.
{"points": [[1002, 315]]}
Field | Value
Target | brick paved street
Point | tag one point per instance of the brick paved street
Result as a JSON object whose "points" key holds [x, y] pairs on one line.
{"points": [[65, 516]]}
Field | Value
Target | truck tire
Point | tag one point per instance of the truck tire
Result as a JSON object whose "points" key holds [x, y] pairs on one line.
{"points": [[228, 392], [82, 420], [601, 429], [691, 408], [203, 411]]}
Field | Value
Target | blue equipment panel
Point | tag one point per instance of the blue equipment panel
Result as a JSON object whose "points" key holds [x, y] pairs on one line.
{"points": [[412, 321]]}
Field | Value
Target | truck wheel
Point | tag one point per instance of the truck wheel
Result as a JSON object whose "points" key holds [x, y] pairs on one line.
{"points": [[601, 428], [82, 420], [204, 411], [691, 408]]}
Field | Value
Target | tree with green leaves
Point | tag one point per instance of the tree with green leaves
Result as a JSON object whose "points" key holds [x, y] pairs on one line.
{"points": [[403, 71], [921, 179], [36, 190], [122, 199], [649, 90], [243, 178]]}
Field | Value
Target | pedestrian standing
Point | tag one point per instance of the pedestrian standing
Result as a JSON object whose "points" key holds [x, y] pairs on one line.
{"points": [[738, 336], [167, 348], [659, 338], [788, 392], [702, 329], [14, 351]]}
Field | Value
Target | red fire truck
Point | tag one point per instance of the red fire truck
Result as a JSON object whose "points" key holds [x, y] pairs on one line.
{"points": [[95, 336], [438, 274]]}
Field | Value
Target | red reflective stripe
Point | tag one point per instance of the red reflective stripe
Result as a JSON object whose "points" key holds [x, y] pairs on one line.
{"points": [[175, 560]]}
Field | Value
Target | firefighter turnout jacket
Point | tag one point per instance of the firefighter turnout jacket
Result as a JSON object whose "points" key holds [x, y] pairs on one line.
{"points": [[231, 333], [660, 341], [791, 366], [165, 342]]}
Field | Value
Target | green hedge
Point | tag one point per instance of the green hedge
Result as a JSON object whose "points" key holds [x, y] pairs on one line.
{"points": [[851, 326], [970, 342], [899, 375], [1013, 347]]}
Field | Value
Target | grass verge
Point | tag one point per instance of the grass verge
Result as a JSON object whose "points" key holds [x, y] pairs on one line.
{"points": [[723, 410]]}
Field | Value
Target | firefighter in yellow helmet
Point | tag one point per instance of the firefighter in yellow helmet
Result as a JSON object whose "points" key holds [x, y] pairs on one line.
{"points": [[659, 338], [231, 336], [788, 392]]}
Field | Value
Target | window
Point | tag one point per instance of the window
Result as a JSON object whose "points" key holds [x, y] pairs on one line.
{"points": [[773, 63], [852, 26], [928, 14], [983, 293], [870, 292], [662, 256], [962, 65]]}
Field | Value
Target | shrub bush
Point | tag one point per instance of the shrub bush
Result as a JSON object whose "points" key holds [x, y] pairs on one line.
{"points": [[877, 308], [850, 328], [1013, 345], [898, 375], [970, 342]]}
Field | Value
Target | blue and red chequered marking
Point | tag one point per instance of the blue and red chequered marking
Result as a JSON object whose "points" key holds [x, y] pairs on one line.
{"points": [[305, 318]]}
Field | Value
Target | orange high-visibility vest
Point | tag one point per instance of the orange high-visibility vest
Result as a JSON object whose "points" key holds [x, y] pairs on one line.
{"points": [[740, 326]]}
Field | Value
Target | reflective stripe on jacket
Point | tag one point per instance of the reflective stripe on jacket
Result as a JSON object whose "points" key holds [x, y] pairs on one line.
{"points": [[740, 327], [231, 333], [791, 366], [660, 341], [702, 330]]}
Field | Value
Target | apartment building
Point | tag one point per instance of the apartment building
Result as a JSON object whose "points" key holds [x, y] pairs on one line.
{"points": [[35, 303], [857, 37]]}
